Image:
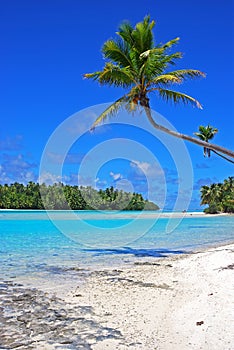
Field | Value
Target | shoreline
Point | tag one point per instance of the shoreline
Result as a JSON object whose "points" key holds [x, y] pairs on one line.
{"points": [[151, 214], [176, 302]]}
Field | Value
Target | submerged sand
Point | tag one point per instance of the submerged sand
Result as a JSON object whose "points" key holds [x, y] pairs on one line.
{"points": [[174, 303]]}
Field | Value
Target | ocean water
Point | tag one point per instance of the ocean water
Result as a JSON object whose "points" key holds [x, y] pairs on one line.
{"points": [[47, 244]]}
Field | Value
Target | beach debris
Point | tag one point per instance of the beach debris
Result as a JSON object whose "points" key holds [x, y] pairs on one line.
{"points": [[142, 263], [229, 267], [199, 323]]}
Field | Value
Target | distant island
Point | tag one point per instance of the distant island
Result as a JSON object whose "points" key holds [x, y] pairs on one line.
{"points": [[66, 197]]}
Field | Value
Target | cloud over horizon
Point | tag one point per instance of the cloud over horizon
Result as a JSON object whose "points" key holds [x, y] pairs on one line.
{"points": [[15, 168]]}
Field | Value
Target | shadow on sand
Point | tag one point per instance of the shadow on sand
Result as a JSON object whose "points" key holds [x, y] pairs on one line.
{"points": [[156, 253]]}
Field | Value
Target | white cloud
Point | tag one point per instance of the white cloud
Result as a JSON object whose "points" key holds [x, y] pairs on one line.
{"points": [[72, 179], [116, 176], [15, 168], [49, 178], [147, 169]]}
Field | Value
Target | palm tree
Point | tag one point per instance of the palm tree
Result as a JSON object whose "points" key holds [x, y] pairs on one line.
{"points": [[228, 197], [206, 133], [134, 62], [205, 195], [219, 196], [228, 184], [212, 195]]}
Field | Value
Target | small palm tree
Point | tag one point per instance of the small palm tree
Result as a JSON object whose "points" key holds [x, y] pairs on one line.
{"points": [[134, 62], [206, 133]]}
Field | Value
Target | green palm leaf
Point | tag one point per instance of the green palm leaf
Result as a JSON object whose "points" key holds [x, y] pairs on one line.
{"points": [[170, 43], [143, 36], [125, 32], [114, 75], [117, 52], [165, 79], [177, 97], [187, 74], [111, 110]]}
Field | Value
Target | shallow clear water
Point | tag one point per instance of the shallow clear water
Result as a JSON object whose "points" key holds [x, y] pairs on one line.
{"points": [[39, 243]]}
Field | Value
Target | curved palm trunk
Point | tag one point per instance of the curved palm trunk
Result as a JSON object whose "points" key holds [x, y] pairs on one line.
{"points": [[213, 147]]}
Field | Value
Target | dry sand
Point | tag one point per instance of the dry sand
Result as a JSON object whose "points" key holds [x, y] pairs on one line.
{"points": [[176, 303]]}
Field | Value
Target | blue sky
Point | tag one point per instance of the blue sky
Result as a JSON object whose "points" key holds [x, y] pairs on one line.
{"points": [[47, 46]]}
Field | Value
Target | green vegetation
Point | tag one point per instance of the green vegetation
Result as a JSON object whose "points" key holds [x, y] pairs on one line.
{"points": [[135, 62], [60, 196], [219, 197]]}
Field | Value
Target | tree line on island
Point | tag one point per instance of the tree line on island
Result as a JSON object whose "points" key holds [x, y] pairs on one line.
{"points": [[219, 197], [64, 197]]}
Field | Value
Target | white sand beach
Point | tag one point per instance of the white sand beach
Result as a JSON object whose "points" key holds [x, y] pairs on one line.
{"points": [[176, 303]]}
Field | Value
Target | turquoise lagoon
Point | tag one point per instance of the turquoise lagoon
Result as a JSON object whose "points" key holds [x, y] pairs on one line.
{"points": [[40, 243]]}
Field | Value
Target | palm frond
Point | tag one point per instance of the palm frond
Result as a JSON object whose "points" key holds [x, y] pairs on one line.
{"points": [[202, 129], [117, 52], [125, 32], [177, 97], [143, 35], [170, 59], [170, 43], [157, 62], [214, 131], [111, 110], [115, 75], [151, 64], [187, 73], [164, 79], [150, 69], [151, 52], [94, 75], [136, 62], [200, 136]]}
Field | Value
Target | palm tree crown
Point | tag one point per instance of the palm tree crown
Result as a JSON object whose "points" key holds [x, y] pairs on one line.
{"points": [[206, 133], [133, 61]]}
